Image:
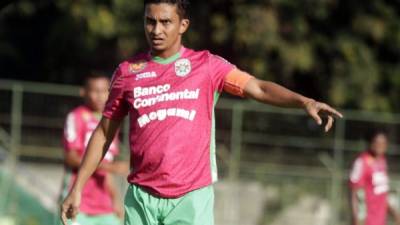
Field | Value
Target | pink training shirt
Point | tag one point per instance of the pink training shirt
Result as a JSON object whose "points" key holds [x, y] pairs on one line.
{"points": [[171, 109], [370, 175], [79, 126]]}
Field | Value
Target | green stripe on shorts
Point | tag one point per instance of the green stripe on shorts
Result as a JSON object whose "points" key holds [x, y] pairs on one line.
{"points": [[194, 208]]}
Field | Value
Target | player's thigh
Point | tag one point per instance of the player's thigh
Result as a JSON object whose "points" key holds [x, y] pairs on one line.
{"points": [[139, 208], [195, 208]]}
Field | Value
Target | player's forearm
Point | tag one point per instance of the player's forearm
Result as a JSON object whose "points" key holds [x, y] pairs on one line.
{"points": [[111, 186], [95, 151], [274, 94], [109, 167], [354, 207], [114, 193], [395, 214], [72, 160]]}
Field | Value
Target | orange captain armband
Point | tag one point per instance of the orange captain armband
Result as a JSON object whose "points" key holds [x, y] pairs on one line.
{"points": [[236, 81]]}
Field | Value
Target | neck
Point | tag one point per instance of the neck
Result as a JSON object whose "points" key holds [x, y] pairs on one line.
{"points": [[373, 154], [93, 109], [168, 52]]}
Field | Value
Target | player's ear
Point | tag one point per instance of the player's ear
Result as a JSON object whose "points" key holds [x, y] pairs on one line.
{"points": [[82, 92], [184, 26]]}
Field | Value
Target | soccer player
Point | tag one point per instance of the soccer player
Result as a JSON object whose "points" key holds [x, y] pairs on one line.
{"points": [[169, 93], [369, 183], [100, 201]]}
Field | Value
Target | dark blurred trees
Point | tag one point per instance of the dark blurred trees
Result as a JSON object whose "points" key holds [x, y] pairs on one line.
{"points": [[342, 51]]}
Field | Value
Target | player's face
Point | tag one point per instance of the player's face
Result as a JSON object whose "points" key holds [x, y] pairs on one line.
{"points": [[96, 93], [164, 28], [379, 145]]}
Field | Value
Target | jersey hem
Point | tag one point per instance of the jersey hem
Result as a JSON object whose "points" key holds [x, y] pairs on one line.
{"points": [[154, 193]]}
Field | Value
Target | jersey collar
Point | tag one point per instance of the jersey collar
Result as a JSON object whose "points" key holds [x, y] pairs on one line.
{"points": [[168, 60]]}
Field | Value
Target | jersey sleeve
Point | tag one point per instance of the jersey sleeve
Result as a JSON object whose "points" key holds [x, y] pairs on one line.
{"points": [[358, 174], [116, 106], [73, 138], [236, 81], [219, 68]]}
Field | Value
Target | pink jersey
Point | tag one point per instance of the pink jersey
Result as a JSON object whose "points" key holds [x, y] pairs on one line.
{"points": [[171, 110], [370, 175], [78, 129]]}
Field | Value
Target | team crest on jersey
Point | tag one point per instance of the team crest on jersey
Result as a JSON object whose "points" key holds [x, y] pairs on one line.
{"points": [[183, 67], [137, 66]]}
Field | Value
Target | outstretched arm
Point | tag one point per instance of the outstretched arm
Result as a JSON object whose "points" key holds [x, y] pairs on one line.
{"points": [[96, 149], [274, 94]]}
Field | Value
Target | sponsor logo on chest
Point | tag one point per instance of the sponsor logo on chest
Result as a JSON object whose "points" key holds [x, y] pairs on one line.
{"points": [[380, 182]]}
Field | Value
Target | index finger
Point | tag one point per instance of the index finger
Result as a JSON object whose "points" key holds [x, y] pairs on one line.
{"points": [[64, 218], [332, 110]]}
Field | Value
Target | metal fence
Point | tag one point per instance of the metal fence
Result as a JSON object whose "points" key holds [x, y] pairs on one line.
{"points": [[282, 150]]}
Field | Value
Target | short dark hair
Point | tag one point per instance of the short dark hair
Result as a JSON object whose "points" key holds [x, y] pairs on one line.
{"points": [[372, 134], [93, 76], [182, 5]]}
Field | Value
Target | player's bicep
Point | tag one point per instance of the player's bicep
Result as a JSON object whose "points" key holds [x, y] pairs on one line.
{"points": [[253, 89]]}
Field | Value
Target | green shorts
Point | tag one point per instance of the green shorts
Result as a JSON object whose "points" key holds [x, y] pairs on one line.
{"points": [[194, 208], [108, 219]]}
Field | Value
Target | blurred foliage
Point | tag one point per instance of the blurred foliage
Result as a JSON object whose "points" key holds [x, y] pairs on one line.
{"points": [[342, 51], [22, 205]]}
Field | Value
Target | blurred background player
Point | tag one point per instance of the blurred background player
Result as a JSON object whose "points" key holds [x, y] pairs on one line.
{"points": [[369, 183], [100, 198]]}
